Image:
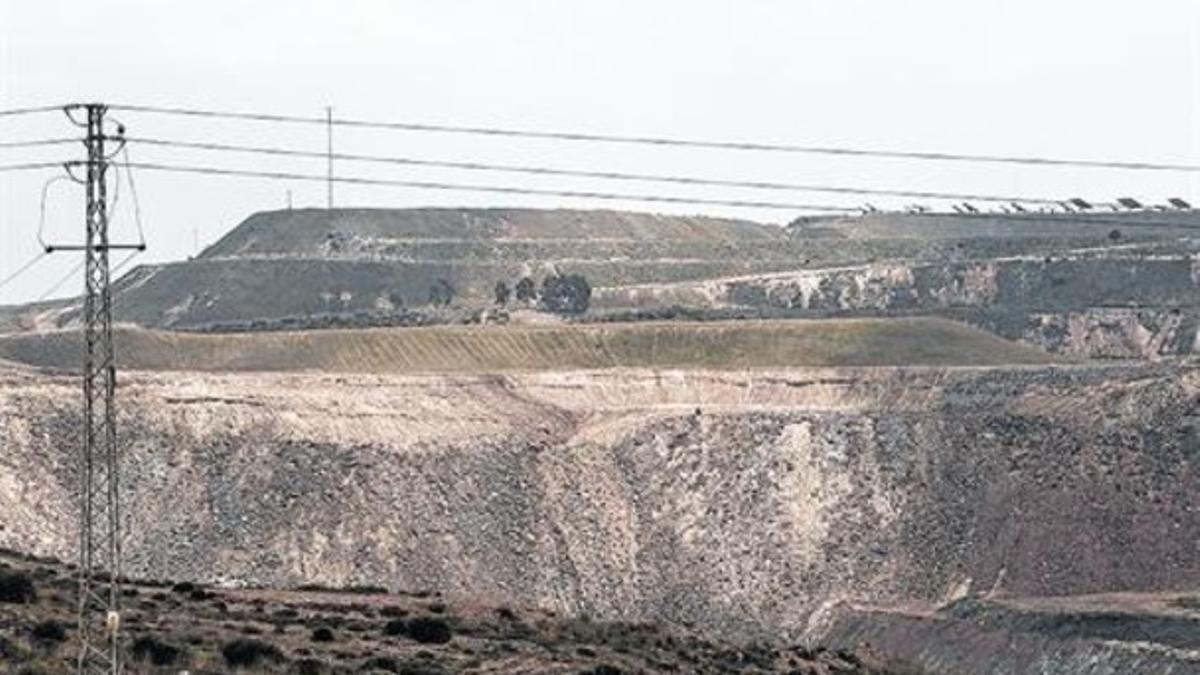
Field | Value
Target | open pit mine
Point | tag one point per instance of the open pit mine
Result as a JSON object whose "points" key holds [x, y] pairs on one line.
{"points": [[835, 447]]}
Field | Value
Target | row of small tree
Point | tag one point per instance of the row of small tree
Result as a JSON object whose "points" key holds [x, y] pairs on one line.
{"points": [[560, 293]]}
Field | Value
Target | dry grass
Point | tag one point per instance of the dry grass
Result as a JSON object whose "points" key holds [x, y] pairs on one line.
{"points": [[733, 345]]}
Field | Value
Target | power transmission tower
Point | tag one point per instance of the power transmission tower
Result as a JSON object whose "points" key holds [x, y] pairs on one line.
{"points": [[99, 506]]}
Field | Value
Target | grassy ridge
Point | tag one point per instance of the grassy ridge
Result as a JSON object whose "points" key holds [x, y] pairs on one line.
{"points": [[734, 345]]}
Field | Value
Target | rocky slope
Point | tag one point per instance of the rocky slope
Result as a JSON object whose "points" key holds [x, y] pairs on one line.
{"points": [[740, 503], [307, 268], [169, 628], [1127, 302]]}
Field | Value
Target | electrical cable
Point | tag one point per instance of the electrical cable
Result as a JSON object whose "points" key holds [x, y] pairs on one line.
{"points": [[41, 231], [112, 207], [38, 143], [433, 185], [665, 142], [578, 173], [59, 284], [1116, 219], [21, 270], [30, 110], [124, 261], [30, 165], [137, 205]]}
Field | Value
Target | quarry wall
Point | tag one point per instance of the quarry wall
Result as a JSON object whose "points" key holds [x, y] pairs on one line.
{"points": [[739, 502]]}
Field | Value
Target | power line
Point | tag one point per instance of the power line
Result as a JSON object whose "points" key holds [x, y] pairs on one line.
{"points": [[30, 165], [579, 173], [137, 205], [41, 231], [75, 270], [59, 284], [666, 142], [126, 260], [461, 187], [1115, 219], [30, 110], [21, 270], [37, 143]]}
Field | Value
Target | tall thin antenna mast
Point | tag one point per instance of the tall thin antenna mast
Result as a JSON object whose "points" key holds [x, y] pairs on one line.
{"points": [[329, 155]]}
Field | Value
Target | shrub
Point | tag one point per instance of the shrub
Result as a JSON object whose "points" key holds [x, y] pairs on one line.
{"points": [[569, 294], [250, 652], [526, 290], [309, 667], [441, 293], [392, 665], [286, 613], [428, 630], [386, 663], [184, 587], [12, 650], [17, 588], [396, 627], [322, 634], [157, 652], [502, 293], [50, 631], [421, 669]]}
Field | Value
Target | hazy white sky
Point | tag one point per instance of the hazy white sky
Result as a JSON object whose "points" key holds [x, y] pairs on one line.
{"points": [[1103, 79]]}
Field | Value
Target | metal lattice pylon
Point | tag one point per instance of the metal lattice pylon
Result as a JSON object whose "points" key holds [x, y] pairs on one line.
{"points": [[99, 505]]}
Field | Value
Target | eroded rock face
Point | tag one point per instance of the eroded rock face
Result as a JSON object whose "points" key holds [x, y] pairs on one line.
{"points": [[1117, 333], [1116, 305], [739, 502]]}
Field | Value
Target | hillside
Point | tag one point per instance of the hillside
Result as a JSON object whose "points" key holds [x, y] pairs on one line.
{"points": [[382, 267], [316, 630], [1129, 301], [719, 345], [774, 505]]}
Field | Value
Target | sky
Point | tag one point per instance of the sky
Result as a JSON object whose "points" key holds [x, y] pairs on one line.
{"points": [[1088, 79]]}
